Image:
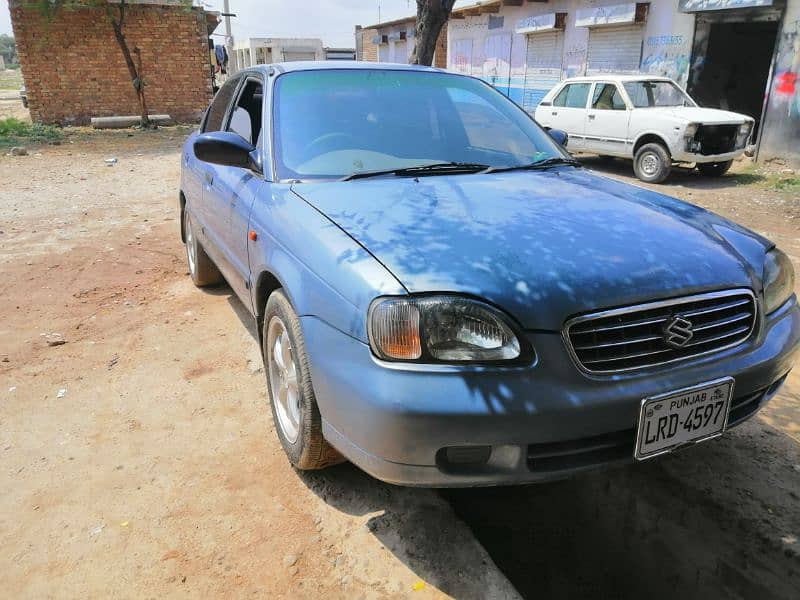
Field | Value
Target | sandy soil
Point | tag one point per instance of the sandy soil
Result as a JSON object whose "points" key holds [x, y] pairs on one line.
{"points": [[138, 458]]}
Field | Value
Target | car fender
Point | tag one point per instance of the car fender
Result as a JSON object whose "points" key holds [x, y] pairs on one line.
{"points": [[322, 270]]}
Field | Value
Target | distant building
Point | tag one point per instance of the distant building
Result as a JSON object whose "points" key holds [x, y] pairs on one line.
{"points": [[340, 53], [739, 55], [393, 42], [267, 50], [74, 69]]}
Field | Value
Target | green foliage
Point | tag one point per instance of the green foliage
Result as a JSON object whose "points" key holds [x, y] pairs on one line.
{"points": [[14, 132], [8, 49]]}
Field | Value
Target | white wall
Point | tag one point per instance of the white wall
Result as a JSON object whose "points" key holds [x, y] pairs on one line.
{"points": [[666, 49]]}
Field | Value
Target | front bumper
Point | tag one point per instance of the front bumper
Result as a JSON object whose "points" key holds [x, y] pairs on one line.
{"points": [[696, 157], [542, 421]]}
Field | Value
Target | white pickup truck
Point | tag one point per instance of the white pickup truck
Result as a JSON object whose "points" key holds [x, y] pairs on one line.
{"points": [[649, 119]]}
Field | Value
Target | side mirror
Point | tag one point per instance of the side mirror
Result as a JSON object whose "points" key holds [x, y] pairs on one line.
{"points": [[559, 136], [227, 149]]}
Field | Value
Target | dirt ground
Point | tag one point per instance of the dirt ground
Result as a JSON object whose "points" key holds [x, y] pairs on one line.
{"points": [[138, 458]]}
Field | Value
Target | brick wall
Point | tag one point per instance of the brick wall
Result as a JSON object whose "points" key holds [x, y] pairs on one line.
{"points": [[74, 69], [440, 56], [367, 49]]}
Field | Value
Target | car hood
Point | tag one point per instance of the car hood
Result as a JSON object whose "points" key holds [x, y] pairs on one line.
{"points": [[707, 116], [542, 245]]}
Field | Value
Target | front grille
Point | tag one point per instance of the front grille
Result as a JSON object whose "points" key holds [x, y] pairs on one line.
{"points": [[717, 139], [636, 337]]}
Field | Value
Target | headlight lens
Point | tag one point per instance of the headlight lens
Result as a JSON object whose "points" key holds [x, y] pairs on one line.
{"points": [[690, 130], [778, 280], [438, 329], [744, 133]]}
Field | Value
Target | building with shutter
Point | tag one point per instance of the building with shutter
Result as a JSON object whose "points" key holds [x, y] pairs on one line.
{"points": [[739, 55]]}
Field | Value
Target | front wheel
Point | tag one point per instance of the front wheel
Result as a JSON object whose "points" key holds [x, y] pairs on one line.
{"points": [[652, 163], [294, 406], [714, 169]]}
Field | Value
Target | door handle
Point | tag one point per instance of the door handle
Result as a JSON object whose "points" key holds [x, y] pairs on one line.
{"points": [[209, 177], [554, 113], [592, 116]]}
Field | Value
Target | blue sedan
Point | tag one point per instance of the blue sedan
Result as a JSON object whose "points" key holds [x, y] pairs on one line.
{"points": [[445, 297]]}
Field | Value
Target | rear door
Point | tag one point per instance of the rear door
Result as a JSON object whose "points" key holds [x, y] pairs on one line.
{"points": [[568, 112], [606, 130]]}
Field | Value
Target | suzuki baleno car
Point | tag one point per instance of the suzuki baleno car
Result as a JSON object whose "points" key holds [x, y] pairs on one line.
{"points": [[445, 298], [648, 119]]}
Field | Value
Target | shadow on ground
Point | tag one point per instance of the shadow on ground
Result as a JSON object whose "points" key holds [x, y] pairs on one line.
{"points": [[703, 523], [690, 178]]}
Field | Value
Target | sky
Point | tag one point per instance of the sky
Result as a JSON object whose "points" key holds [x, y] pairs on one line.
{"points": [[332, 20]]}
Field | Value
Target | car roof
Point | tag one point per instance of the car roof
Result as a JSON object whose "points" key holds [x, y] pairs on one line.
{"points": [[617, 77], [331, 65]]}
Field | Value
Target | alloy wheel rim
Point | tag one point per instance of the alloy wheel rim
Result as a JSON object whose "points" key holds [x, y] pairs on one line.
{"points": [[649, 164], [283, 379], [191, 244]]}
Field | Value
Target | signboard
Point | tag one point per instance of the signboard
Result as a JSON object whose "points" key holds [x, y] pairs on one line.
{"points": [[536, 23], [605, 15], [700, 5]]}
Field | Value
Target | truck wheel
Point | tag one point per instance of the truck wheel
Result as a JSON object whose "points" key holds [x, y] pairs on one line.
{"points": [[652, 163], [201, 268], [714, 169], [294, 406]]}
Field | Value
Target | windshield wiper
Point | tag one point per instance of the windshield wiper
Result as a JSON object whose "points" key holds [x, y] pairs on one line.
{"points": [[432, 169], [539, 164]]}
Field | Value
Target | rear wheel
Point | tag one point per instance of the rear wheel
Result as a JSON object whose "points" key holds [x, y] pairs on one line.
{"points": [[652, 163], [714, 169], [201, 268], [294, 406]]}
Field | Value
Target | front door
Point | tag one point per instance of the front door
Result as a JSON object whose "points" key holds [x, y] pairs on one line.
{"points": [[234, 189], [606, 130]]}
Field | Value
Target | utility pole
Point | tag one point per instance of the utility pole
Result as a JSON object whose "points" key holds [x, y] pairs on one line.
{"points": [[228, 35]]}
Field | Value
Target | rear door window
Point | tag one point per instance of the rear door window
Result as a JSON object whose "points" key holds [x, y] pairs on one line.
{"points": [[574, 95]]}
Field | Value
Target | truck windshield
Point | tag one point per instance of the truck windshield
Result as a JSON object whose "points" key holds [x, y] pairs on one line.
{"points": [[645, 94], [330, 124]]}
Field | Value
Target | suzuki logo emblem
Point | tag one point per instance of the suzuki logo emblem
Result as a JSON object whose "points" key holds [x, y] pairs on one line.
{"points": [[678, 332]]}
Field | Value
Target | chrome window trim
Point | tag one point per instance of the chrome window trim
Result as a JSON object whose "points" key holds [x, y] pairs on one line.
{"points": [[655, 305]]}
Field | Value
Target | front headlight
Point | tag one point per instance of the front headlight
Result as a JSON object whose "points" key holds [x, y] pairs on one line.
{"points": [[744, 133], [441, 329], [778, 280], [690, 130]]}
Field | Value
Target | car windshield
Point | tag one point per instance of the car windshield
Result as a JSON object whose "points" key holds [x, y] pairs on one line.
{"points": [[647, 94], [331, 124]]}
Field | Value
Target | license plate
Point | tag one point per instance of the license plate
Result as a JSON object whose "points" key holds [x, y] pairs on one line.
{"points": [[685, 416]]}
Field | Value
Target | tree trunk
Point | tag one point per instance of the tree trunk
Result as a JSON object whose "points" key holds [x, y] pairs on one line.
{"points": [[431, 17], [134, 70]]}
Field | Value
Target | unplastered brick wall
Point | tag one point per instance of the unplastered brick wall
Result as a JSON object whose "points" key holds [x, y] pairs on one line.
{"points": [[75, 70], [367, 48]]}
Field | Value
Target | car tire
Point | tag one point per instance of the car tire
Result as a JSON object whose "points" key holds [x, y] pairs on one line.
{"points": [[294, 406], [202, 269], [652, 163], [714, 169]]}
